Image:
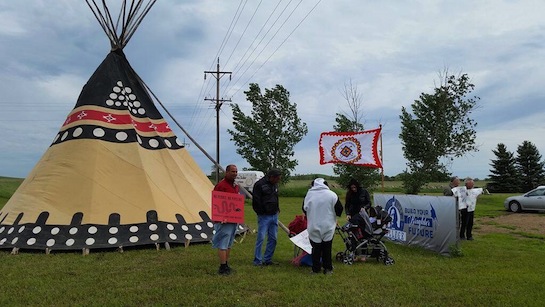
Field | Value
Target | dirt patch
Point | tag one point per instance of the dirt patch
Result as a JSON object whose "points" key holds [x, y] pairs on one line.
{"points": [[533, 223]]}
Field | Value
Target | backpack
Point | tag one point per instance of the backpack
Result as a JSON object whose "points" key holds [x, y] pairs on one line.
{"points": [[298, 224], [303, 259]]}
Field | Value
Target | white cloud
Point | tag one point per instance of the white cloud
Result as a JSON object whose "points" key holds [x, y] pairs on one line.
{"points": [[9, 25]]}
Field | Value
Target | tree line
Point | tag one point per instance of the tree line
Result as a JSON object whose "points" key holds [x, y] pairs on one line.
{"points": [[440, 128], [436, 129], [265, 138], [512, 173]]}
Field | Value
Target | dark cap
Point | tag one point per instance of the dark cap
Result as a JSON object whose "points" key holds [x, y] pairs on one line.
{"points": [[274, 172]]}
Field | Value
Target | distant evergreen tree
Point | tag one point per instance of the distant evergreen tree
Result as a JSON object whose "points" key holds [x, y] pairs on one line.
{"points": [[505, 176], [530, 166]]}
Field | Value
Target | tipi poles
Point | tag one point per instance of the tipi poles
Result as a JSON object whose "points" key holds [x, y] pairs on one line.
{"points": [[180, 126], [128, 20]]}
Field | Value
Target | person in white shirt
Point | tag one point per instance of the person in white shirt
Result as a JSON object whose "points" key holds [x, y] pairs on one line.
{"points": [[468, 202]]}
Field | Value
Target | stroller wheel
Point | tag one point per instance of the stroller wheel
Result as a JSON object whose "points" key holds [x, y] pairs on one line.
{"points": [[340, 256], [349, 258], [389, 261], [382, 257]]}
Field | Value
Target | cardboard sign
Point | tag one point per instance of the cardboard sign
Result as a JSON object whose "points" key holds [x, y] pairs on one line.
{"points": [[302, 241], [227, 207]]}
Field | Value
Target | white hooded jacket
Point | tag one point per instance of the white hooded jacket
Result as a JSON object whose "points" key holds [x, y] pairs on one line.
{"points": [[321, 206]]}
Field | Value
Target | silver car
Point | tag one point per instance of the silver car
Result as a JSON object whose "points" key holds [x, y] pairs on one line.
{"points": [[533, 200]]}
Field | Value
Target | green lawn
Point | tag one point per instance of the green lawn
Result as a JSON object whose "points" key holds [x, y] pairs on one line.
{"points": [[7, 187], [497, 269]]}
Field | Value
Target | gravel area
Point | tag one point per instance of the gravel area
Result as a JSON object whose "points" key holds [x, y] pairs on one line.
{"points": [[529, 222]]}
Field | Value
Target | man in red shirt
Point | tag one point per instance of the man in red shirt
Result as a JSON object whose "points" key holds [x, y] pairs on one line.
{"points": [[224, 233]]}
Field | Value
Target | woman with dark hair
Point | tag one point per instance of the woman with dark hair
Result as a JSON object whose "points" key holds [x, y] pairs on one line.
{"points": [[356, 199]]}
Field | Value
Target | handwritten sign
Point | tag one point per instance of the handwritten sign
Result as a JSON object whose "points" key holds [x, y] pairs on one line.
{"points": [[227, 207]]}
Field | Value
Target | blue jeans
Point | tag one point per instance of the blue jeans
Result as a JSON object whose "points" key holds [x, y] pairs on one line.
{"points": [[266, 224]]}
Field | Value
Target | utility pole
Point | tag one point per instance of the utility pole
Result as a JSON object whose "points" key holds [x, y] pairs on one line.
{"points": [[219, 102]]}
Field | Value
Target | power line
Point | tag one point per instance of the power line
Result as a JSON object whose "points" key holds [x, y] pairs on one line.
{"points": [[206, 88], [236, 68], [229, 31], [280, 44], [260, 41], [243, 32]]}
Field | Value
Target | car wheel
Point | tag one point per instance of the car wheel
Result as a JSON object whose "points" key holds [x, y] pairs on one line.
{"points": [[514, 206]]}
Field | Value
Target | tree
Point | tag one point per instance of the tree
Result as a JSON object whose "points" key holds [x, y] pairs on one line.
{"points": [[530, 166], [266, 137], [439, 129], [505, 176], [351, 121]]}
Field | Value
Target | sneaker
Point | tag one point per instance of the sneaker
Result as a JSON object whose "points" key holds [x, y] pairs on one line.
{"points": [[270, 263], [230, 270], [470, 238], [314, 273], [462, 238], [328, 272], [224, 271]]}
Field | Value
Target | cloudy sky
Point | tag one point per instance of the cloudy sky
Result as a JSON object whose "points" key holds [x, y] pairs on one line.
{"points": [[391, 50]]}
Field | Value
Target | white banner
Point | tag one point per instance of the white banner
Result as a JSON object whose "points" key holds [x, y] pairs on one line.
{"points": [[427, 221]]}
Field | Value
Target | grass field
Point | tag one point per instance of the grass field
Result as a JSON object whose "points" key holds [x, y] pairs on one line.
{"points": [[497, 269]]}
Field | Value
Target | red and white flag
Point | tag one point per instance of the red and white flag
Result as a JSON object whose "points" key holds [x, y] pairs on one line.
{"points": [[358, 148]]}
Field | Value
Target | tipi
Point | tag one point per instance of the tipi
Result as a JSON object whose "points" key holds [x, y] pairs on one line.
{"points": [[115, 175]]}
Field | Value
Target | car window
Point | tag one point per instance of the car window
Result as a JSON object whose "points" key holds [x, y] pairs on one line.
{"points": [[539, 192]]}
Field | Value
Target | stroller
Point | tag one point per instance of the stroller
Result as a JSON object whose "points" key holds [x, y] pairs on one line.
{"points": [[362, 236]]}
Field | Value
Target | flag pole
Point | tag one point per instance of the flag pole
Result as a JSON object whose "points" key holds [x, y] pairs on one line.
{"points": [[381, 159]]}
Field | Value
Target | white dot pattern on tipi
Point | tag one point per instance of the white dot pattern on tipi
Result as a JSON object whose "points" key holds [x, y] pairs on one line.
{"points": [[121, 118], [60, 237]]}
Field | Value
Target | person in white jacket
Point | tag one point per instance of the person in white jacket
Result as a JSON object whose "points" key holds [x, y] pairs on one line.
{"points": [[470, 202], [321, 206], [467, 201]]}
